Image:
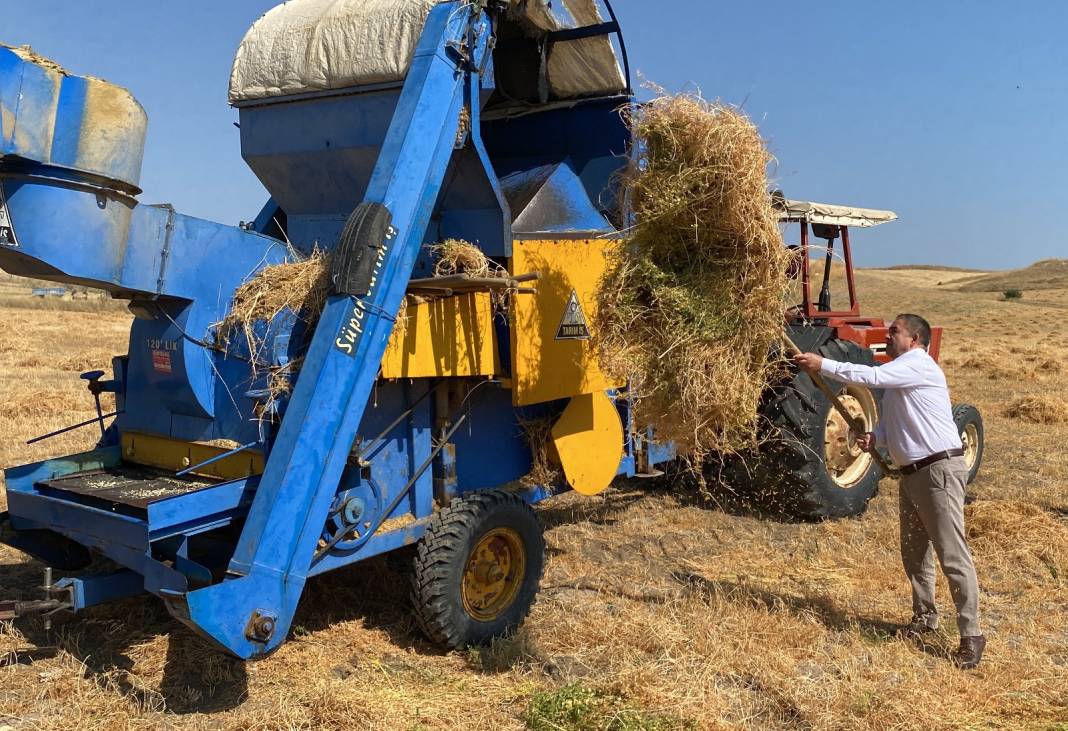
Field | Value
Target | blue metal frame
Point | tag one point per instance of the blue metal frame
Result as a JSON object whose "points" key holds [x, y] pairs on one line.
{"points": [[273, 556], [326, 477]]}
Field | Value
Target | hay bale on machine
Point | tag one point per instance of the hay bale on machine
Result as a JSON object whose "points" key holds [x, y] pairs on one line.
{"points": [[693, 301], [302, 286], [456, 256], [298, 286]]}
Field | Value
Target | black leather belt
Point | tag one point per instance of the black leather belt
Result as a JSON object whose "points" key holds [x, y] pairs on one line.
{"points": [[928, 461]]}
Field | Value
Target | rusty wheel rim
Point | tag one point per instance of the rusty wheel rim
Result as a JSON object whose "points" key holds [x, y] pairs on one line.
{"points": [[493, 574]]}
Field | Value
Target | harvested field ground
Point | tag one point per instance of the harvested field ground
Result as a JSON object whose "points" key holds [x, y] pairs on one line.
{"points": [[655, 613]]}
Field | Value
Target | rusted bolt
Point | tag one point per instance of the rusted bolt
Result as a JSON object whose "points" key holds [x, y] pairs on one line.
{"points": [[260, 627]]}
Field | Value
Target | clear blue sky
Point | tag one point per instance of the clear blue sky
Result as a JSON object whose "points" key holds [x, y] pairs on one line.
{"points": [[951, 113]]}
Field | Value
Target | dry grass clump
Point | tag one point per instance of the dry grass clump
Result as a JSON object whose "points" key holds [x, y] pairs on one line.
{"points": [[1016, 363], [1039, 409], [692, 303], [302, 287], [1017, 535], [545, 469], [299, 286], [456, 256]]}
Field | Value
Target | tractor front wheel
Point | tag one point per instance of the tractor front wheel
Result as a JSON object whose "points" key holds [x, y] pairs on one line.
{"points": [[477, 569], [970, 425]]}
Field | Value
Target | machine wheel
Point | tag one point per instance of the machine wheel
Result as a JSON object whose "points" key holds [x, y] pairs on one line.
{"points": [[970, 425], [810, 466], [477, 569]]}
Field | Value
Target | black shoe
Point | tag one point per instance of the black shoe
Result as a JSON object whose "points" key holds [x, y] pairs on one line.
{"points": [[970, 652], [915, 629]]}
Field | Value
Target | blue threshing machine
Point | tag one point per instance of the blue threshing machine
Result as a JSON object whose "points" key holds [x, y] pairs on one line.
{"points": [[491, 121]]}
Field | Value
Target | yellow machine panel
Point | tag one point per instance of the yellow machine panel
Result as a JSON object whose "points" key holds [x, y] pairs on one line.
{"points": [[552, 351], [176, 455], [447, 337], [588, 438]]}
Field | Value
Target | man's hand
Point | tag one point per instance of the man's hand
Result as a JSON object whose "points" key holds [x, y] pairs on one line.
{"points": [[866, 442], [811, 362]]}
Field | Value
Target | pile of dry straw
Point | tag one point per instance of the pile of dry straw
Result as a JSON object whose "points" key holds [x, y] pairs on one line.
{"points": [[301, 287], [693, 301], [1039, 409]]}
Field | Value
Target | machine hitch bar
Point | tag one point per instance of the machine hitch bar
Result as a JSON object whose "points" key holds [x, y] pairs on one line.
{"points": [[13, 609]]}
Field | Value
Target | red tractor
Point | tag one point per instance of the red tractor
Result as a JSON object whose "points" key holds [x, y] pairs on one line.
{"points": [[810, 460]]}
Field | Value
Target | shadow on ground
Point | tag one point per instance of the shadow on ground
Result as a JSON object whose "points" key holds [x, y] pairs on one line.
{"points": [[198, 677], [716, 492], [602, 510], [820, 606]]}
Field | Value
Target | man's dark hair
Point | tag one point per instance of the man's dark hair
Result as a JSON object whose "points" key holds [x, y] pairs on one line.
{"points": [[917, 327]]}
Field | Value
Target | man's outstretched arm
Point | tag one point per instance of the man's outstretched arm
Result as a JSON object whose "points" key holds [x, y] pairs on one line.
{"points": [[894, 374]]}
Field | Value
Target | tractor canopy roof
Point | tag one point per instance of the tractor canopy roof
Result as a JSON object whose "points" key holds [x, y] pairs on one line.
{"points": [[304, 46], [826, 213]]}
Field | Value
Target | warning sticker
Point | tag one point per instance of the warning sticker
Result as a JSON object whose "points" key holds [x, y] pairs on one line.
{"points": [[573, 325], [7, 233], [161, 361]]}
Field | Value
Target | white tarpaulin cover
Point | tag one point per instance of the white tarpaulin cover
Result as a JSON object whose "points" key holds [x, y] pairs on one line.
{"points": [[586, 67], [832, 214], [316, 45]]}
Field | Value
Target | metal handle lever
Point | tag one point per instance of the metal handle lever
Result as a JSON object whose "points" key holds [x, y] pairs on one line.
{"points": [[93, 377]]}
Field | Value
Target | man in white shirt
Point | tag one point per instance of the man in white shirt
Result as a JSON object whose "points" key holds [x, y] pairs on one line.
{"points": [[917, 429]]}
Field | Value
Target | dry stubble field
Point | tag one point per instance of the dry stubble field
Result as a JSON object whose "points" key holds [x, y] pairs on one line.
{"points": [[655, 613]]}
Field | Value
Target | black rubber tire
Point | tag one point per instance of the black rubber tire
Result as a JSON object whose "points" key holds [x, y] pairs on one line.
{"points": [[788, 474], [963, 415], [360, 248], [442, 555]]}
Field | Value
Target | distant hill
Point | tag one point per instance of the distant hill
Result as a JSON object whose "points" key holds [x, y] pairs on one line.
{"points": [[1045, 274], [930, 268]]}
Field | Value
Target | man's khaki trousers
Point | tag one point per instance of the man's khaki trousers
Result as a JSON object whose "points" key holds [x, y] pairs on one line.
{"points": [[932, 516]]}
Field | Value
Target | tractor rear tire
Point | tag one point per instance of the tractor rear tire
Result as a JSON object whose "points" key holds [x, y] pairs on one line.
{"points": [[970, 427], [789, 473], [477, 569]]}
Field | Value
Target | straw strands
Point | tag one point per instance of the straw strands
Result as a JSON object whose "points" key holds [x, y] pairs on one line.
{"points": [[693, 301], [460, 257], [545, 464], [299, 287], [1039, 409]]}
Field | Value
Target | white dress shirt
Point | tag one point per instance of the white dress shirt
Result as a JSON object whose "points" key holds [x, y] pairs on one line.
{"points": [[917, 416]]}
